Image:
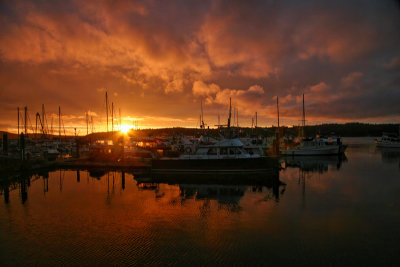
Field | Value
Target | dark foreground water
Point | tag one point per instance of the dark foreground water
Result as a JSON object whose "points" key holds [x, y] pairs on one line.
{"points": [[327, 212]]}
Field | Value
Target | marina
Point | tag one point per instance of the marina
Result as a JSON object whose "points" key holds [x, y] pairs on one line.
{"points": [[68, 217], [199, 133]]}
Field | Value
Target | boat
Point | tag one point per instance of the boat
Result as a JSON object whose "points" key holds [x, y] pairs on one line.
{"points": [[389, 140], [255, 146], [225, 155], [310, 146], [51, 154], [313, 147], [335, 141]]}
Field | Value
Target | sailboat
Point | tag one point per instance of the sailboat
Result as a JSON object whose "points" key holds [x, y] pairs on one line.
{"points": [[314, 146]]}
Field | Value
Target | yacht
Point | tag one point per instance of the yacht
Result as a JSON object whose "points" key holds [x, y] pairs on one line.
{"points": [[227, 154], [313, 147], [389, 140]]}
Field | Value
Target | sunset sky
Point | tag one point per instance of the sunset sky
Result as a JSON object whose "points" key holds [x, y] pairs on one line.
{"points": [[159, 59]]}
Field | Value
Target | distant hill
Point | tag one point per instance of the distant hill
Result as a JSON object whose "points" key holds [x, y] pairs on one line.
{"points": [[353, 129]]}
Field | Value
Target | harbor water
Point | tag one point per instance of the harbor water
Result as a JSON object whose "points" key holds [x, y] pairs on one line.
{"points": [[318, 212]]}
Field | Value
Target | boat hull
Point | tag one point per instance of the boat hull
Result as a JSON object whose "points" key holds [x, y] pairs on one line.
{"points": [[388, 145], [317, 151]]}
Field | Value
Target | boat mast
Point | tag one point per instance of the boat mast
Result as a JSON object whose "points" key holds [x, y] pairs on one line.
{"points": [[304, 114], [256, 120], [51, 126], [234, 117], [107, 109], [59, 123], [87, 123], [277, 108], [304, 118], [112, 118], [120, 120], [42, 118], [278, 132], [26, 116], [202, 115], [230, 113], [18, 122]]}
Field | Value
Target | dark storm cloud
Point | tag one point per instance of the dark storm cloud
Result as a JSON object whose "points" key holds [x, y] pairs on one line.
{"points": [[158, 58]]}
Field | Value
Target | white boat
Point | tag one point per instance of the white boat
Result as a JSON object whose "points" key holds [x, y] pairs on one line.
{"points": [[389, 140], [224, 149], [226, 154], [313, 147], [255, 146], [336, 141]]}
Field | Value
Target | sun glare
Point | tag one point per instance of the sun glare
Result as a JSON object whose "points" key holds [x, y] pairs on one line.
{"points": [[125, 128]]}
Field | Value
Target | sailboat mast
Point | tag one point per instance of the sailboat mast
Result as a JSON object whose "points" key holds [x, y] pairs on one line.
{"points": [[277, 132], [91, 122], [112, 117], [202, 115], [59, 123], [277, 108], [234, 116], [120, 120], [26, 120], [304, 114], [43, 121], [256, 119], [107, 109], [87, 123], [237, 117], [230, 112], [18, 122]]}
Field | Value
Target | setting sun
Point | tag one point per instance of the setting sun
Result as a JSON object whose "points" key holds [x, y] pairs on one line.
{"points": [[125, 128]]}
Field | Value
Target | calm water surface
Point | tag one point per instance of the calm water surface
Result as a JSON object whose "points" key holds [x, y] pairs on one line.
{"points": [[325, 212]]}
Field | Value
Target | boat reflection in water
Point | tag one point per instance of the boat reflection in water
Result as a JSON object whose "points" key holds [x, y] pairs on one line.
{"points": [[315, 164], [390, 155], [224, 187]]}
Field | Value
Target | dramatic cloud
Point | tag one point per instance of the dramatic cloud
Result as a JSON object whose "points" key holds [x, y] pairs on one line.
{"points": [[158, 59]]}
